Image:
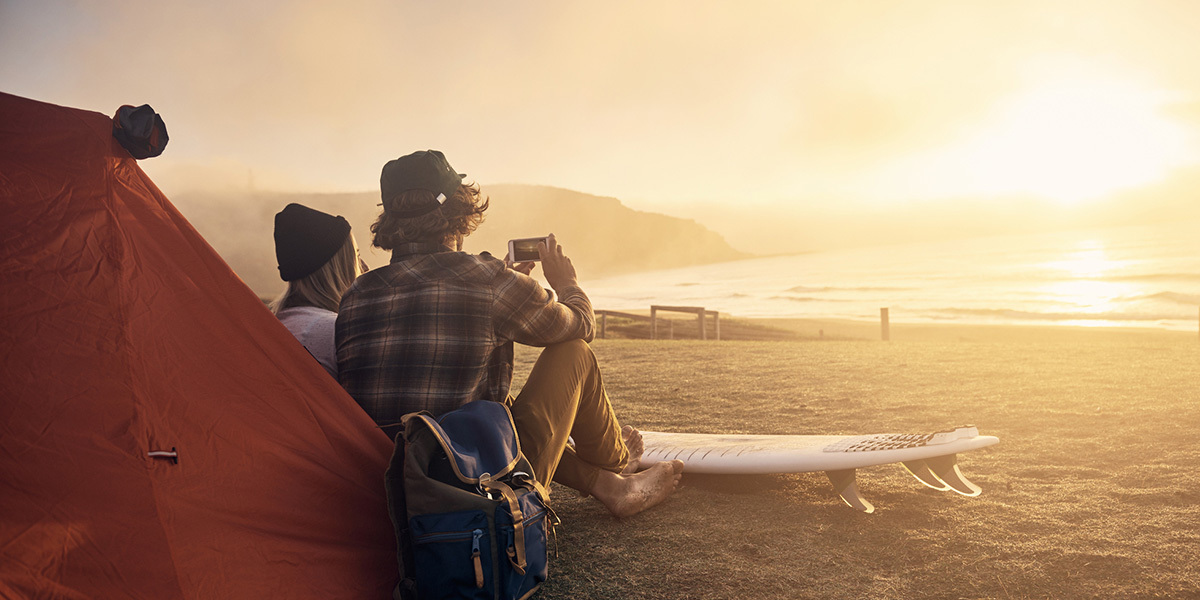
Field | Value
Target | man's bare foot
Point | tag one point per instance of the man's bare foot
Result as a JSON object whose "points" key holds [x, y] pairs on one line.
{"points": [[628, 495], [633, 441]]}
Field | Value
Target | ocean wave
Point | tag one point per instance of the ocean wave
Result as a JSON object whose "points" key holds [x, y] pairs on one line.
{"points": [[801, 289], [1154, 277], [1176, 297], [1173, 297]]}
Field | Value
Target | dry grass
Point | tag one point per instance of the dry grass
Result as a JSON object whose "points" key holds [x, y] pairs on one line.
{"points": [[1093, 490]]}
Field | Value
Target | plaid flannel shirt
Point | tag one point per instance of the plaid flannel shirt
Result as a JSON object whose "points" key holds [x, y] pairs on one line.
{"points": [[435, 329]]}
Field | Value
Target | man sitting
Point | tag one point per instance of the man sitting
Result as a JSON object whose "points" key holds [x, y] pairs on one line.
{"points": [[435, 328]]}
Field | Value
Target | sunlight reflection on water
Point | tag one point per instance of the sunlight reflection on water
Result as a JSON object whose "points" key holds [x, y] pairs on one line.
{"points": [[1086, 291], [1131, 276], [1090, 260], [1088, 296]]}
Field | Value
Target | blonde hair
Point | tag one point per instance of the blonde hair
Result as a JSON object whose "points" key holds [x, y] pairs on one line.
{"points": [[460, 215], [324, 287]]}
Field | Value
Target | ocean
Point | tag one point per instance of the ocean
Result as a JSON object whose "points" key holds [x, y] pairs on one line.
{"points": [[1135, 276]]}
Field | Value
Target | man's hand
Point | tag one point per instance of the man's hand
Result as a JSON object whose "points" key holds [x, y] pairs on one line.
{"points": [[524, 268], [556, 266]]}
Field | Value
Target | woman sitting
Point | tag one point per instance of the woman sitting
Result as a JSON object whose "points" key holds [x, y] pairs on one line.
{"points": [[318, 259]]}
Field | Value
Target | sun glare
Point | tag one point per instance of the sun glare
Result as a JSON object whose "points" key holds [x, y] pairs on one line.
{"points": [[1075, 141], [1089, 261], [1081, 285]]}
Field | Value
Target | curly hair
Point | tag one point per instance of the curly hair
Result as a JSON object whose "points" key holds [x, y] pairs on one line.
{"points": [[461, 214]]}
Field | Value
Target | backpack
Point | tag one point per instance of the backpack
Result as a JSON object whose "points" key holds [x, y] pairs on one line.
{"points": [[470, 517]]}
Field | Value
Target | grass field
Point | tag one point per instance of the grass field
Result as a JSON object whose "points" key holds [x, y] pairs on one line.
{"points": [[1093, 490]]}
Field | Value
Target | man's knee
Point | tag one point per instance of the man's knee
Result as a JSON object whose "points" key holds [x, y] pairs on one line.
{"points": [[576, 346], [573, 348], [569, 356]]}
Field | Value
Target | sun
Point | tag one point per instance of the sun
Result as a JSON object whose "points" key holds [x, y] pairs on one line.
{"points": [[1071, 134], [1073, 141]]}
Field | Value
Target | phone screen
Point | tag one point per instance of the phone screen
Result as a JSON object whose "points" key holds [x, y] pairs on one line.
{"points": [[525, 249]]}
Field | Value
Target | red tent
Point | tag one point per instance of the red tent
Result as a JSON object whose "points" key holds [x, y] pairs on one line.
{"points": [[161, 434]]}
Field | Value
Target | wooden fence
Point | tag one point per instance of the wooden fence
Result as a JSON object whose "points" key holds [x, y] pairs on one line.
{"points": [[699, 311]]}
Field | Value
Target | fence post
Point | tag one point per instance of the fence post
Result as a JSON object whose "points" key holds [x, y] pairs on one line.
{"points": [[717, 324], [700, 316], [654, 322], [603, 324], [884, 325]]}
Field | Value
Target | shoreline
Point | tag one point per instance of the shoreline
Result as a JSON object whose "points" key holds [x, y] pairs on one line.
{"points": [[734, 328], [848, 329]]}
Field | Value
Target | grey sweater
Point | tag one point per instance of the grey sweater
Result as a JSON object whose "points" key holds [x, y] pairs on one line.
{"points": [[314, 328]]}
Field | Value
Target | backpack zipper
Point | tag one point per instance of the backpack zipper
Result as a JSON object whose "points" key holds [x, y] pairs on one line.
{"points": [[476, 535], [445, 536]]}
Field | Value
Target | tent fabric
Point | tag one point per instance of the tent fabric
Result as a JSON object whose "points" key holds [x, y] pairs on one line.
{"points": [[124, 338]]}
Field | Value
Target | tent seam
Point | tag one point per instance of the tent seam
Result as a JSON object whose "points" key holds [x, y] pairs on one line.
{"points": [[142, 429]]}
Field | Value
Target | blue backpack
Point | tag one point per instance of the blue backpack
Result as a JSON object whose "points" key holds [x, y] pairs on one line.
{"points": [[469, 513]]}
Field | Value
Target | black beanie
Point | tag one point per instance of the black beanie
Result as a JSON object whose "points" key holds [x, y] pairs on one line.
{"points": [[305, 239]]}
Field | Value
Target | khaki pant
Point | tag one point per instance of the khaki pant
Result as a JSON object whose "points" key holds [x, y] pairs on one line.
{"points": [[563, 397]]}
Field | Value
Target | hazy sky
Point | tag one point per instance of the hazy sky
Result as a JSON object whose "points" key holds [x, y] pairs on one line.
{"points": [[661, 104]]}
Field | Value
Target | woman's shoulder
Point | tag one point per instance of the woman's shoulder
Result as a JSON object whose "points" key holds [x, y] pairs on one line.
{"points": [[306, 313]]}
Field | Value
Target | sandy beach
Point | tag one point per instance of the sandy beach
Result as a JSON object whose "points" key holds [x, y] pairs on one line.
{"points": [[1092, 491]]}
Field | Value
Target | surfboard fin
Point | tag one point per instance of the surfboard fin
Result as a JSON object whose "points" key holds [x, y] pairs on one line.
{"points": [[920, 469], [844, 484], [946, 469]]}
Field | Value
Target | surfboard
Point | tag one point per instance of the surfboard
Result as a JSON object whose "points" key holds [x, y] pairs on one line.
{"points": [[932, 458]]}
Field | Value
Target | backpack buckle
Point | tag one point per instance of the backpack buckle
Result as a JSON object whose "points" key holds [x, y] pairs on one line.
{"points": [[485, 490]]}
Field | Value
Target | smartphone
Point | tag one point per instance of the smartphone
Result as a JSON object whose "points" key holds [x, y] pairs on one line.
{"points": [[525, 249]]}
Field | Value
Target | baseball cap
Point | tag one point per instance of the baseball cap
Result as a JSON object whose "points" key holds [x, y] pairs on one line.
{"points": [[422, 170]]}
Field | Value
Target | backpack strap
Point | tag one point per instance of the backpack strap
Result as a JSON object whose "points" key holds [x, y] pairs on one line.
{"points": [[516, 553], [528, 480], [398, 511]]}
